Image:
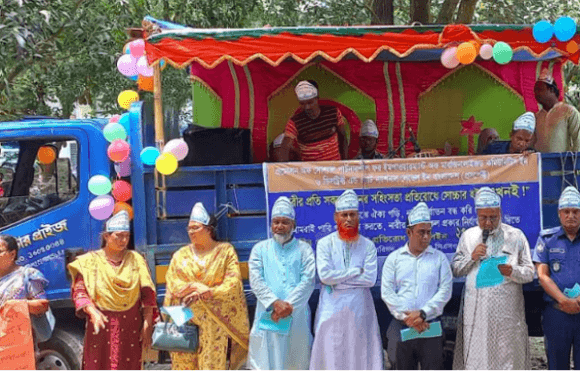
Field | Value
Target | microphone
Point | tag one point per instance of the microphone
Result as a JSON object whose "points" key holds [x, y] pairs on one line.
{"points": [[413, 140], [485, 235]]}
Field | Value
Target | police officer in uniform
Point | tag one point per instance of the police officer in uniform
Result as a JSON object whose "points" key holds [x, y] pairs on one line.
{"points": [[557, 258]]}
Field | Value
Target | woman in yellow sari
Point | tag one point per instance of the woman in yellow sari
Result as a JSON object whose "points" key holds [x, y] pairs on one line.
{"points": [[205, 275]]}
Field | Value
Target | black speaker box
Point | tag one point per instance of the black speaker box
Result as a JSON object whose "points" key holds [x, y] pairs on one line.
{"points": [[217, 146]]}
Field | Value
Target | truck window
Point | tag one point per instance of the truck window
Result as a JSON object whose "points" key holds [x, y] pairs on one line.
{"points": [[36, 175]]}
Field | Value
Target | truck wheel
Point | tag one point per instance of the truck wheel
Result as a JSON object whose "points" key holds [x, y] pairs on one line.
{"points": [[64, 351]]}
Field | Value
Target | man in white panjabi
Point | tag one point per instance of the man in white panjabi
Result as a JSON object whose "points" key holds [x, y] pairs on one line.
{"points": [[282, 273], [492, 333], [346, 330]]}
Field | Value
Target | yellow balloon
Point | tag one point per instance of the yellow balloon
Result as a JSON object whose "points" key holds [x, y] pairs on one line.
{"points": [[127, 97], [166, 163]]}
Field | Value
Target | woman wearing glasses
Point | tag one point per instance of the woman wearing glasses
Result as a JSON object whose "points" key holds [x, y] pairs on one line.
{"points": [[205, 275]]}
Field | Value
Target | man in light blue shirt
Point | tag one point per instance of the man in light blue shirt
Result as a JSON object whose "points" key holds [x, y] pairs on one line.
{"points": [[416, 285], [282, 273]]}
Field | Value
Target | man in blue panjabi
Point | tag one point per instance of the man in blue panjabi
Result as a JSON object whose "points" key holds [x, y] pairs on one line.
{"points": [[416, 285], [282, 271]]}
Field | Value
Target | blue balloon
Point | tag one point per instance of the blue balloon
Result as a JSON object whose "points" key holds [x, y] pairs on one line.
{"points": [[133, 78], [125, 120], [543, 31], [565, 28], [149, 155], [161, 63]]}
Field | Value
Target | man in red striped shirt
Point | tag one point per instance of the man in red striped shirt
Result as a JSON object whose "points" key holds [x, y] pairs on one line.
{"points": [[318, 130]]}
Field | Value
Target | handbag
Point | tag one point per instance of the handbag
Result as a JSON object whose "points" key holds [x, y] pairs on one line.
{"points": [[168, 336], [42, 325]]}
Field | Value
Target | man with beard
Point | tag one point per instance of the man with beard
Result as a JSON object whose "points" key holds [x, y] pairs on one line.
{"points": [[282, 278], [521, 138], [492, 333], [318, 129], [416, 285], [369, 135], [346, 330], [557, 260]]}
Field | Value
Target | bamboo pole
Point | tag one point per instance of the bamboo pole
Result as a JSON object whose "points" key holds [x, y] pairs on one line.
{"points": [[159, 133]]}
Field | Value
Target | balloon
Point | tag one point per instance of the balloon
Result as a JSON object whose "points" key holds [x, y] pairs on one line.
{"points": [[123, 168], [486, 51], [127, 97], [46, 155], [162, 63], [543, 31], [127, 65], [166, 163], [145, 83], [572, 47], [177, 147], [118, 150], [564, 28], [134, 78], [102, 207], [143, 67], [449, 58], [137, 48], [115, 118], [126, 49], [476, 45], [125, 120], [99, 185], [122, 190], [149, 155], [466, 53], [120, 206], [502, 53], [114, 130]]}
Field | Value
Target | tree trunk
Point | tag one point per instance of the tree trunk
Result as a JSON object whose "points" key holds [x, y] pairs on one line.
{"points": [[383, 12], [420, 11], [466, 11], [447, 11]]}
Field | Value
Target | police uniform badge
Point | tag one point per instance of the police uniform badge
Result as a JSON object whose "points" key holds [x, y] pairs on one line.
{"points": [[556, 266], [540, 247]]}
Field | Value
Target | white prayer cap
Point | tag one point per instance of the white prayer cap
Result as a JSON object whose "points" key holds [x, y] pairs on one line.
{"points": [[278, 140], [487, 198], [419, 214], [348, 201], [369, 129], [546, 77], [283, 208], [199, 214], [527, 122], [305, 91], [118, 223], [570, 198]]}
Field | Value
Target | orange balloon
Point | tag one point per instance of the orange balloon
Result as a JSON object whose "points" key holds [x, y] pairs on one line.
{"points": [[572, 47], [120, 206], [476, 45], [46, 155], [466, 53], [145, 83]]}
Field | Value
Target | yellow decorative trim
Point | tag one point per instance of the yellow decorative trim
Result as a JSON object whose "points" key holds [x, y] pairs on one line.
{"points": [[252, 98], [391, 104], [236, 95], [206, 86], [402, 104], [538, 69]]}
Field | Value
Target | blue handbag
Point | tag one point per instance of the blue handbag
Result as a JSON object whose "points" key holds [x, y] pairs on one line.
{"points": [[168, 336]]}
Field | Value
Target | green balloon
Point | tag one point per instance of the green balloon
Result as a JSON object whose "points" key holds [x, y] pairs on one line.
{"points": [[114, 131], [502, 53], [100, 185]]}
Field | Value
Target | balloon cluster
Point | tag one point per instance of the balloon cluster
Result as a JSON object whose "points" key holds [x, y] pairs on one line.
{"points": [[165, 162], [110, 197], [467, 52], [133, 65], [563, 29]]}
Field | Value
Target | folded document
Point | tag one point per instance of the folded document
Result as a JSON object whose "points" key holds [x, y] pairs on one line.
{"points": [[179, 314], [434, 330], [282, 327], [488, 274], [572, 293]]}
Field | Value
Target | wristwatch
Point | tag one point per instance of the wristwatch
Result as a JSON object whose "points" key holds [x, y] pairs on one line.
{"points": [[423, 315]]}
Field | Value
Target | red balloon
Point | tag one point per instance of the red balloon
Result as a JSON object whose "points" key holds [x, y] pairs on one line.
{"points": [[122, 191], [118, 150]]}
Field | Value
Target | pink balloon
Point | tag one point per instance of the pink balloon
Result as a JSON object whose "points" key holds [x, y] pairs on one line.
{"points": [[118, 150], [137, 48], [115, 118], [122, 191], [101, 208], [143, 68], [123, 169], [177, 147], [127, 65], [486, 51], [449, 58]]}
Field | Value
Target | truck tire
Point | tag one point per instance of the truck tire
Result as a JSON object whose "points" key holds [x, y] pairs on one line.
{"points": [[64, 351]]}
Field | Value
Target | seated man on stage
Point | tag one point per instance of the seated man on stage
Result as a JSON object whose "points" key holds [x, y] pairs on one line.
{"points": [[318, 129], [369, 135], [521, 138]]}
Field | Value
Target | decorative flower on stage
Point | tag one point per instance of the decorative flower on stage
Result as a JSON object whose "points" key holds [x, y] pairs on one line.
{"points": [[471, 128]]}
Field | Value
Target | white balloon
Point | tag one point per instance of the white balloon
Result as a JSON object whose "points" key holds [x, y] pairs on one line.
{"points": [[449, 58], [178, 147], [486, 51], [143, 68]]}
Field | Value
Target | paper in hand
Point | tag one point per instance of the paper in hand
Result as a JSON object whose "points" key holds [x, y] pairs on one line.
{"points": [[572, 292], [434, 330], [488, 274], [266, 323], [179, 314]]}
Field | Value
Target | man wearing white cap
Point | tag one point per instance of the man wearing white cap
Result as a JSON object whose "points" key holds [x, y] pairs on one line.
{"points": [[369, 134], [282, 274], [318, 129], [416, 285], [492, 333], [346, 330], [521, 137], [557, 255], [276, 154], [557, 123]]}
